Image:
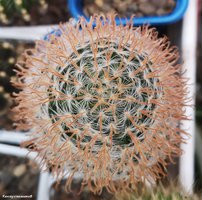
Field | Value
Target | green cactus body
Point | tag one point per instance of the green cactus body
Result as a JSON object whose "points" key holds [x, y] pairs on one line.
{"points": [[106, 95]]}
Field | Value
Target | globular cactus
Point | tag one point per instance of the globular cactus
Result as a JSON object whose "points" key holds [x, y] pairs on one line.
{"points": [[103, 102]]}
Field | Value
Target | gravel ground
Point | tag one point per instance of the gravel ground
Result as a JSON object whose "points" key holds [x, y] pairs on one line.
{"points": [[18, 176], [58, 192]]}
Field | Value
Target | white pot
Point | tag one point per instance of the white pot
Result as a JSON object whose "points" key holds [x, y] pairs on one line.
{"points": [[12, 137], [26, 32]]}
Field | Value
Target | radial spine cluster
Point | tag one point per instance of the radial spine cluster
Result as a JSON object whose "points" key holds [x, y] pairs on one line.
{"points": [[103, 102]]}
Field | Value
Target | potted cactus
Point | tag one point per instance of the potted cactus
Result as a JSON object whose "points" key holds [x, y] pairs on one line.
{"points": [[103, 103]]}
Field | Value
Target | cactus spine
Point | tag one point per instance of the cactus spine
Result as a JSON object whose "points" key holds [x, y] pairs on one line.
{"points": [[104, 102]]}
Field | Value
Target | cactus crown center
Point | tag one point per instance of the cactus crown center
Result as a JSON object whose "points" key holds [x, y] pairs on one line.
{"points": [[106, 94]]}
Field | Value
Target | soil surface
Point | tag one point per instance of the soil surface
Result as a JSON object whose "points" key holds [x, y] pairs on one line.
{"points": [[18, 176], [126, 8], [58, 192]]}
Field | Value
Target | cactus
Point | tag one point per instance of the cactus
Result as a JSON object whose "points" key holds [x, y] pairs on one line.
{"points": [[103, 102]]}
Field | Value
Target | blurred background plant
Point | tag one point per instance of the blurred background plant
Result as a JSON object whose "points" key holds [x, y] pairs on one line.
{"points": [[159, 192], [32, 12], [9, 53], [198, 140], [20, 7]]}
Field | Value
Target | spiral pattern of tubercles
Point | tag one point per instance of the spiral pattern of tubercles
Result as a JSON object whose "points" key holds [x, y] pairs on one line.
{"points": [[103, 102]]}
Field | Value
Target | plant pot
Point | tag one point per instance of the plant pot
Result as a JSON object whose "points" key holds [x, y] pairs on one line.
{"points": [[76, 9], [31, 33]]}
